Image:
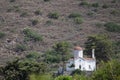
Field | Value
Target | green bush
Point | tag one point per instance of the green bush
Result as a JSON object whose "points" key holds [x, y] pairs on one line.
{"points": [[20, 48], [46, 0], [12, 0], [53, 15], [31, 35], [23, 14], [34, 22], [95, 5], [2, 34], [84, 3], [41, 77], [74, 15], [49, 22], [107, 71], [105, 6], [38, 12], [33, 55], [78, 20], [112, 27], [64, 78]]}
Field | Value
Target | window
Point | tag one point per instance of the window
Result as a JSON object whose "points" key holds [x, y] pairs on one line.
{"points": [[79, 66], [89, 67]]}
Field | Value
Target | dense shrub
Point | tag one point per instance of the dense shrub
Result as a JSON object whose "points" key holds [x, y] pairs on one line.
{"points": [[78, 20], [49, 22], [38, 12], [31, 35], [108, 71], [23, 14], [2, 34], [84, 3], [112, 27], [64, 78], [105, 6], [77, 71], [20, 48], [102, 45], [33, 55], [74, 15], [34, 22], [53, 15], [12, 0], [46, 0], [41, 77], [95, 5]]}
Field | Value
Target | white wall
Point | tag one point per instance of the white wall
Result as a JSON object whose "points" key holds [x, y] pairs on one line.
{"points": [[78, 53]]}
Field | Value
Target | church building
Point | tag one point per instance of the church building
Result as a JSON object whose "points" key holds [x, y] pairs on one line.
{"points": [[79, 62]]}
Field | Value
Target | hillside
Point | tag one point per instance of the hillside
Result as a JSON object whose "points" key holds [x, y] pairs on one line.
{"points": [[16, 15]]}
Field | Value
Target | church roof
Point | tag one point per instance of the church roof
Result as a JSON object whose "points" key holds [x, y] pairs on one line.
{"points": [[78, 48]]}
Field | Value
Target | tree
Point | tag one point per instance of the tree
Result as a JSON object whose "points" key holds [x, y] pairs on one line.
{"points": [[62, 48], [101, 43], [108, 71], [21, 68]]}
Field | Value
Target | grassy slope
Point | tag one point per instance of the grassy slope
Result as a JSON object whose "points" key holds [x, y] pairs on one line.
{"points": [[61, 29]]}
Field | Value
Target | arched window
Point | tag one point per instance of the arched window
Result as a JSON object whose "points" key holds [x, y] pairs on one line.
{"points": [[79, 66]]}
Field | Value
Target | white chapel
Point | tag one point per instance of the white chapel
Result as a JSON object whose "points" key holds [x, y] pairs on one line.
{"points": [[79, 62]]}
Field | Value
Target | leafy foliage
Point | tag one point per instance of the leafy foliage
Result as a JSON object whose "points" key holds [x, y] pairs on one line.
{"points": [[78, 20], [74, 15], [20, 48], [101, 43], [2, 34], [34, 22], [41, 77], [108, 71], [20, 69], [112, 27], [30, 35], [53, 15], [59, 53], [64, 78]]}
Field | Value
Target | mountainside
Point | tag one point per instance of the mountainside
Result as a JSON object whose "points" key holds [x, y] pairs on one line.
{"points": [[24, 22]]}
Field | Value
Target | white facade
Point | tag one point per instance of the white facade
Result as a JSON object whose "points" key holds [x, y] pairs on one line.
{"points": [[79, 62]]}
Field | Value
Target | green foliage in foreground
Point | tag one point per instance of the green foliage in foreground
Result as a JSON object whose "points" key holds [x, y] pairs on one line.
{"points": [[108, 71], [41, 77], [105, 71], [21, 68]]}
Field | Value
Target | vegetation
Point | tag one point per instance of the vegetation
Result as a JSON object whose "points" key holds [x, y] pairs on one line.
{"points": [[74, 15], [112, 27], [78, 20], [95, 5], [38, 12], [63, 78], [108, 71], [103, 46], [31, 35], [2, 35], [59, 53], [41, 77], [20, 69], [20, 48], [46, 0], [23, 14], [53, 15], [84, 3], [34, 22]]}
